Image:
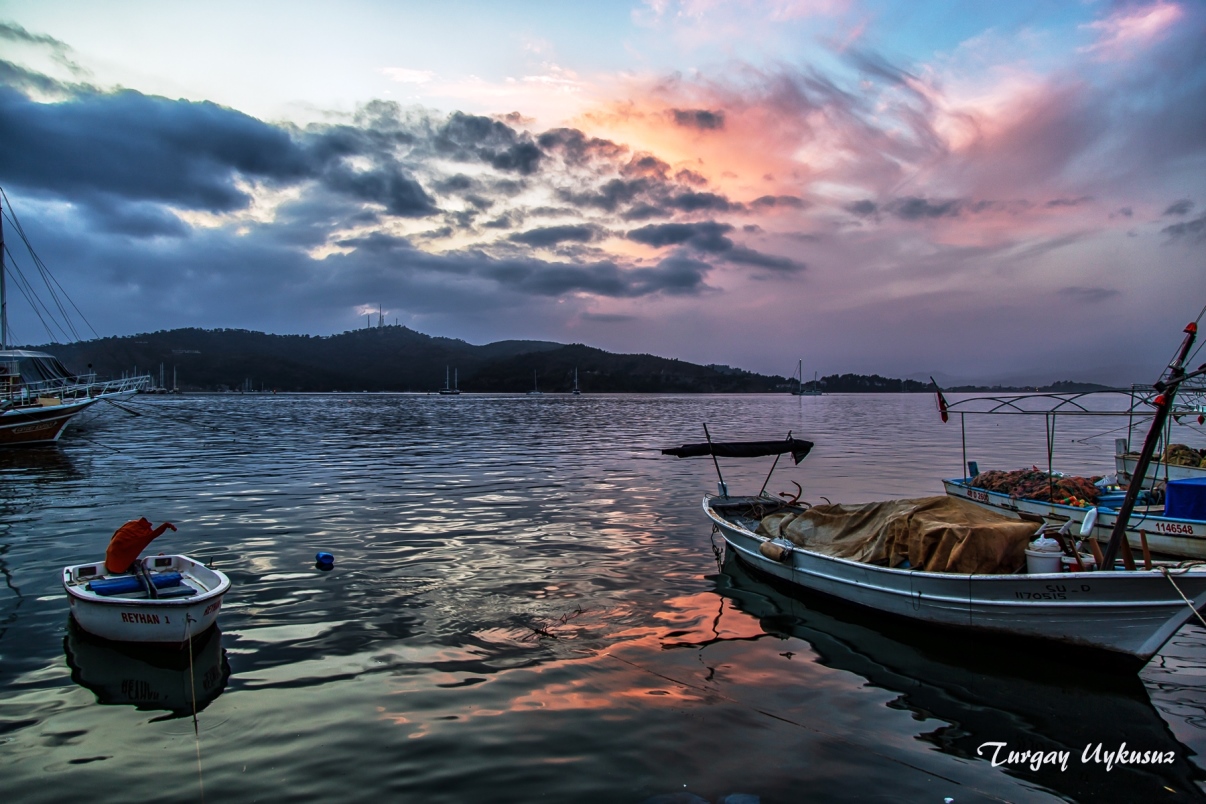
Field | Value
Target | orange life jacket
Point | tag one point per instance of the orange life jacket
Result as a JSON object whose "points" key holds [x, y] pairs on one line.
{"points": [[128, 542]]}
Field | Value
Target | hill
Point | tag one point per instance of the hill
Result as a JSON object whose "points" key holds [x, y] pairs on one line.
{"points": [[390, 358]]}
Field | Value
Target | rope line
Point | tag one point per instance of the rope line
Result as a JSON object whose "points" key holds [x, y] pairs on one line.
{"points": [[1165, 572]]}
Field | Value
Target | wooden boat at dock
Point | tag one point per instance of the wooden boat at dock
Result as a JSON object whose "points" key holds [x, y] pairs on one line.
{"points": [[168, 599]]}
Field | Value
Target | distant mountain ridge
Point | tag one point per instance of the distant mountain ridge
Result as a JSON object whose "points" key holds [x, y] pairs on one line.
{"points": [[396, 358], [391, 358]]}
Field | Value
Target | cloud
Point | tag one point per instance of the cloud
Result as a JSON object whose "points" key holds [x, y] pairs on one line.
{"points": [[701, 119], [1194, 229], [142, 148], [1131, 28], [707, 236], [913, 208], [1181, 207], [555, 235]]}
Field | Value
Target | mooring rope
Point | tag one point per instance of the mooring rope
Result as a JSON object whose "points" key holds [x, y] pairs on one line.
{"points": [[192, 683], [1184, 568]]}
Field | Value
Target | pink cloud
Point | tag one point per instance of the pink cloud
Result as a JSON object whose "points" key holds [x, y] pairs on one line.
{"points": [[1130, 30]]}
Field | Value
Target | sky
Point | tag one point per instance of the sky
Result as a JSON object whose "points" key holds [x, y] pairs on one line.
{"points": [[982, 192]]}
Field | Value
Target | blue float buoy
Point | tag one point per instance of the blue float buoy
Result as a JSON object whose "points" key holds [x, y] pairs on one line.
{"points": [[324, 561]]}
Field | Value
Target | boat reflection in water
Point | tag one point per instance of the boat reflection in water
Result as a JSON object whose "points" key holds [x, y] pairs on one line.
{"points": [[148, 677], [968, 693]]}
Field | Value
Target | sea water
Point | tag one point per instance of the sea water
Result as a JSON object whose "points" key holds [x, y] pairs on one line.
{"points": [[526, 602]]}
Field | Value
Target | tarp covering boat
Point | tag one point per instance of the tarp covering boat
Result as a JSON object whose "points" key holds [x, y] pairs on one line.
{"points": [[744, 449], [935, 534]]}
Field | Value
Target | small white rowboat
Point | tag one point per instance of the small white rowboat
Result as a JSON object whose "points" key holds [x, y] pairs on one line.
{"points": [[184, 599]]}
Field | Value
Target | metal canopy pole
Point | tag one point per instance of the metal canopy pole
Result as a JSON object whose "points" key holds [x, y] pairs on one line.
{"points": [[724, 488]]}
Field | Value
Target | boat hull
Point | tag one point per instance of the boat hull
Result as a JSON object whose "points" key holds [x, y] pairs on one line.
{"points": [[1126, 463], [1131, 614], [164, 621], [41, 425], [1184, 538]]}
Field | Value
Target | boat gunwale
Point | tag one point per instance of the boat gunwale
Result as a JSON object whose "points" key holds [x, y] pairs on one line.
{"points": [[952, 577], [78, 591]]}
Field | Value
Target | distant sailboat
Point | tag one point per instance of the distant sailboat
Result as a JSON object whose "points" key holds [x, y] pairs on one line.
{"points": [[535, 388], [800, 390], [576, 392], [449, 390]]}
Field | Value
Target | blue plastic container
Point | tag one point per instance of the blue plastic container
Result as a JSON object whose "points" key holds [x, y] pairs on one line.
{"points": [[1185, 499], [324, 561]]}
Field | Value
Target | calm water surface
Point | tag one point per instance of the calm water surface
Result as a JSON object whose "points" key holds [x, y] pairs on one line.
{"points": [[526, 604]]}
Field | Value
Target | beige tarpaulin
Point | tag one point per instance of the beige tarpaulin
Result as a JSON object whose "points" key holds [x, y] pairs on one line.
{"points": [[937, 534]]}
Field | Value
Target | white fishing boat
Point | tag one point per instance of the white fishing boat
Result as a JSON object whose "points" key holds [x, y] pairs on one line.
{"points": [[1146, 517], [942, 562], [167, 599], [1146, 528], [1125, 462]]}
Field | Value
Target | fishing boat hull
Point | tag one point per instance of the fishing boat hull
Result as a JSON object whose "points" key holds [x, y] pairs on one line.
{"points": [[1128, 614], [1125, 463], [1184, 538], [135, 617], [39, 425]]}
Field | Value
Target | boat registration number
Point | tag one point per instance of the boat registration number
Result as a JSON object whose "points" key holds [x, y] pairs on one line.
{"points": [[212, 607], [1054, 591], [978, 496], [1174, 527]]}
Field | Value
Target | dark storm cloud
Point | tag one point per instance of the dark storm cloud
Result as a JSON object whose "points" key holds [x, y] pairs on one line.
{"points": [[701, 119], [138, 220], [400, 195], [1181, 207], [554, 235], [468, 137], [674, 276], [1194, 229], [746, 256], [578, 149], [696, 202], [772, 201], [377, 243], [12, 75], [1068, 202], [864, 208], [646, 166], [610, 195], [141, 148], [707, 236], [912, 208]]}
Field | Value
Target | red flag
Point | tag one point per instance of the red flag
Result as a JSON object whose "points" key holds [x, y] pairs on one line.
{"points": [[942, 406]]}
